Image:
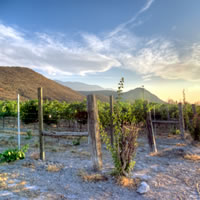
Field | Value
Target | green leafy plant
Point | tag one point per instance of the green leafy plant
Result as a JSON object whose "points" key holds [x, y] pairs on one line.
{"points": [[175, 131], [11, 155], [76, 141], [125, 138]]}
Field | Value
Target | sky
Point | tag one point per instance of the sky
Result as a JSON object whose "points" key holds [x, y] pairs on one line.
{"points": [[155, 43]]}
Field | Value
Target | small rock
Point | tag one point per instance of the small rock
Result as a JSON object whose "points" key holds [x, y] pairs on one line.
{"points": [[143, 188]]}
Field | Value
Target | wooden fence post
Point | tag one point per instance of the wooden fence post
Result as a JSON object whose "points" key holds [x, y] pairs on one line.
{"points": [[181, 121], [111, 120], [93, 132], [194, 109], [150, 134], [40, 117]]}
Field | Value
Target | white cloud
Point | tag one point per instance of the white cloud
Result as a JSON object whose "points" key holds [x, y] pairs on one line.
{"points": [[49, 54], [55, 56]]}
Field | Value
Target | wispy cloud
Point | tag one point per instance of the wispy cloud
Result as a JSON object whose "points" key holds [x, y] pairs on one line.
{"points": [[57, 55], [49, 54], [147, 6], [122, 26]]}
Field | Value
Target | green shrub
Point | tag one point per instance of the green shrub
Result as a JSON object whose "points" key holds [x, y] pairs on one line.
{"points": [[11, 155], [29, 111], [125, 139]]}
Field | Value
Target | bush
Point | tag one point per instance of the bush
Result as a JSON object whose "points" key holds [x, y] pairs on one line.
{"points": [[29, 111], [11, 155], [125, 140]]}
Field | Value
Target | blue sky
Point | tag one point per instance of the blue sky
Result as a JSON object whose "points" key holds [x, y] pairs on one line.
{"points": [[155, 43]]}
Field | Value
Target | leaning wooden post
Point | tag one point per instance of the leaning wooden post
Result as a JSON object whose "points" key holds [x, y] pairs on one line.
{"points": [[181, 121], [194, 109], [150, 134], [93, 132], [111, 119], [40, 117]]}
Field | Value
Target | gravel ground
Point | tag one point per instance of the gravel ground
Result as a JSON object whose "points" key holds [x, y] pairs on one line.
{"points": [[169, 175]]}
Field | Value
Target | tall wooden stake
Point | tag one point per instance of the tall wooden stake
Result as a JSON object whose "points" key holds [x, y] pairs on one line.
{"points": [[181, 121], [93, 132], [111, 119], [151, 136], [40, 117]]}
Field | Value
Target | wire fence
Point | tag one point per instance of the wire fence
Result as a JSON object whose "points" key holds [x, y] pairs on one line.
{"points": [[11, 124]]}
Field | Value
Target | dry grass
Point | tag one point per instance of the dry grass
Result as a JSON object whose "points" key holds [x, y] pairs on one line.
{"points": [[192, 157], [128, 182], [154, 154], [3, 179], [170, 152], [180, 144], [35, 155], [29, 165], [81, 153], [54, 168], [92, 177]]}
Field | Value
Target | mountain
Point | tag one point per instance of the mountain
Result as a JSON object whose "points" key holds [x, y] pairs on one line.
{"points": [[130, 96], [141, 93], [14, 80], [79, 86]]}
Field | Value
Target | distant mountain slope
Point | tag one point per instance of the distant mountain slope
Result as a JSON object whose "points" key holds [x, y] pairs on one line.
{"points": [[78, 86], [130, 96], [102, 95], [14, 80], [140, 93]]}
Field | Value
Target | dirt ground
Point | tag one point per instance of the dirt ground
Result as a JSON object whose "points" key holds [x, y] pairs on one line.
{"points": [[173, 173]]}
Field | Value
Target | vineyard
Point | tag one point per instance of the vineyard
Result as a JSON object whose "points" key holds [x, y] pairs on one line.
{"points": [[54, 111], [143, 136]]}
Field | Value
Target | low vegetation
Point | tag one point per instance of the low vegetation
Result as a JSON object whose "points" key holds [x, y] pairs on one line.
{"points": [[124, 145], [11, 155], [95, 177]]}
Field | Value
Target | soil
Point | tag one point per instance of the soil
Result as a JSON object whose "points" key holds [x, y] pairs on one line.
{"points": [[169, 174]]}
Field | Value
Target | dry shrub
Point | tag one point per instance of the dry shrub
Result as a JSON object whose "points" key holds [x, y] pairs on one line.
{"points": [[128, 182], [53, 168], [193, 157], [92, 177]]}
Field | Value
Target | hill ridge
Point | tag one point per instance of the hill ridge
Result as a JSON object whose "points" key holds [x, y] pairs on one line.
{"points": [[25, 81], [129, 96]]}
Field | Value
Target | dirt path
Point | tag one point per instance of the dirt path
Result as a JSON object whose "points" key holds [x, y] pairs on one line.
{"points": [[169, 174]]}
